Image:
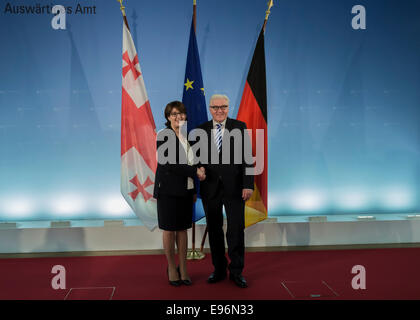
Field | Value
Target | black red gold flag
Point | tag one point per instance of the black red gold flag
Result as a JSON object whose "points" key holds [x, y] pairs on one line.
{"points": [[253, 111]]}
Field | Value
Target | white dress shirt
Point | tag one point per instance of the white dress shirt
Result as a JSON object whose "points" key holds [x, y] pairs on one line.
{"points": [[190, 158]]}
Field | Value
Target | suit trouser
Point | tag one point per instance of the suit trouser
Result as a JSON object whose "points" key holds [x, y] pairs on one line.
{"points": [[235, 214]]}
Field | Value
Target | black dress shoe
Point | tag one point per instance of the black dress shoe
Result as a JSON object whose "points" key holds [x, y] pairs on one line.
{"points": [[239, 280], [175, 283], [187, 282], [216, 277]]}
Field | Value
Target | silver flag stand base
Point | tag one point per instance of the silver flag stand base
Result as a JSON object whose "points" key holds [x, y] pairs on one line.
{"points": [[195, 255]]}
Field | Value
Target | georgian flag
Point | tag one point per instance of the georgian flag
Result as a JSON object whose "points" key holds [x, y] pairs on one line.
{"points": [[138, 137]]}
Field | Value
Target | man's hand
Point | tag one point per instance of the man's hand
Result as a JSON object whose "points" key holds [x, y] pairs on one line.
{"points": [[201, 173], [246, 194]]}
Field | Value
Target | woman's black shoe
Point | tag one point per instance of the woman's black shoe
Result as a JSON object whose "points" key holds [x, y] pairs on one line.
{"points": [[187, 282], [175, 283]]}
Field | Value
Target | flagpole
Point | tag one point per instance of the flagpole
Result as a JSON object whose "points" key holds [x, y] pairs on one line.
{"points": [[122, 8], [267, 13], [195, 15], [194, 254]]}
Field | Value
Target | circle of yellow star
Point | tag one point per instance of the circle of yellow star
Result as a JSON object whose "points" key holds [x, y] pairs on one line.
{"points": [[188, 84]]}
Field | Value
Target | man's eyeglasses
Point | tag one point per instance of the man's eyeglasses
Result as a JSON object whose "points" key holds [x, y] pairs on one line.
{"points": [[175, 114], [215, 108]]}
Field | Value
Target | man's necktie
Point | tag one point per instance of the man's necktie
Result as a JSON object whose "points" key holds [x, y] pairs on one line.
{"points": [[218, 136]]}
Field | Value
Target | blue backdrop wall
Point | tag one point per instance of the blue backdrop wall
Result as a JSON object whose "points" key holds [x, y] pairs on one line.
{"points": [[343, 113]]}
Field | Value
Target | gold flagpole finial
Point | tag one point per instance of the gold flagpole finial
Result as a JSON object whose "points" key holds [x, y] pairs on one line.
{"points": [[122, 8], [267, 13], [194, 2]]}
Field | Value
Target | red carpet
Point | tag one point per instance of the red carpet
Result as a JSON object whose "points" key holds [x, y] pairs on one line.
{"points": [[390, 274]]}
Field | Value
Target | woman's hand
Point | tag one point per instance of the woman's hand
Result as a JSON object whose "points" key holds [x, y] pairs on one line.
{"points": [[201, 173]]}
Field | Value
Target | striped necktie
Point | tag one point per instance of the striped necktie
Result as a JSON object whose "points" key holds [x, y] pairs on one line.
{"points": [[218, 136]]}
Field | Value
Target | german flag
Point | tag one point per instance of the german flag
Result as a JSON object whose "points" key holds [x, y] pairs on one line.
{"points": [[253, 111]]}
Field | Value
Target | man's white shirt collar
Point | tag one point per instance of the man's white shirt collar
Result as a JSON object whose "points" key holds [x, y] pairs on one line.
{"points": [[223, 123]]}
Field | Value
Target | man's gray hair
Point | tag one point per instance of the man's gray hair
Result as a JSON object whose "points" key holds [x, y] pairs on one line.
{"points": [[219, 96]]}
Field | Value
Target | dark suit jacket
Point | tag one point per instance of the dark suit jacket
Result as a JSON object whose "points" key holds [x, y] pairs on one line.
{"points": [[172, 178], [232, 176]]}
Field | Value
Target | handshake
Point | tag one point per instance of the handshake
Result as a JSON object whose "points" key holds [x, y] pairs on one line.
{"points": [[201, 173]]}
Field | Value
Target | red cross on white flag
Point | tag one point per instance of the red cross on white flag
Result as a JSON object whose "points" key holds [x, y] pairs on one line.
{"points": [[138, 138]]}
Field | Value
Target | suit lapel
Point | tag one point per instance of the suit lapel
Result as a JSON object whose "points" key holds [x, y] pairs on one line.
{"points": [[228, 125], [211, 143], [228, 128]]}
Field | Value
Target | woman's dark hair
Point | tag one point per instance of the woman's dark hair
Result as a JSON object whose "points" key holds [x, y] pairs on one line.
{"points": [[174, 104]]}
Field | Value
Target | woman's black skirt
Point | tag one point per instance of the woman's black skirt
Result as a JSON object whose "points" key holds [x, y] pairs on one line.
{"points": [[175, 213]]}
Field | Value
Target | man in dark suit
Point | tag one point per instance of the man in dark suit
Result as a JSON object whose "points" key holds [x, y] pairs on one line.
{"points": [[226, 184]]}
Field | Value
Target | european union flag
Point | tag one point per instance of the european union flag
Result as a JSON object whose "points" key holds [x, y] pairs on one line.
{"points": [[195, 102]]}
